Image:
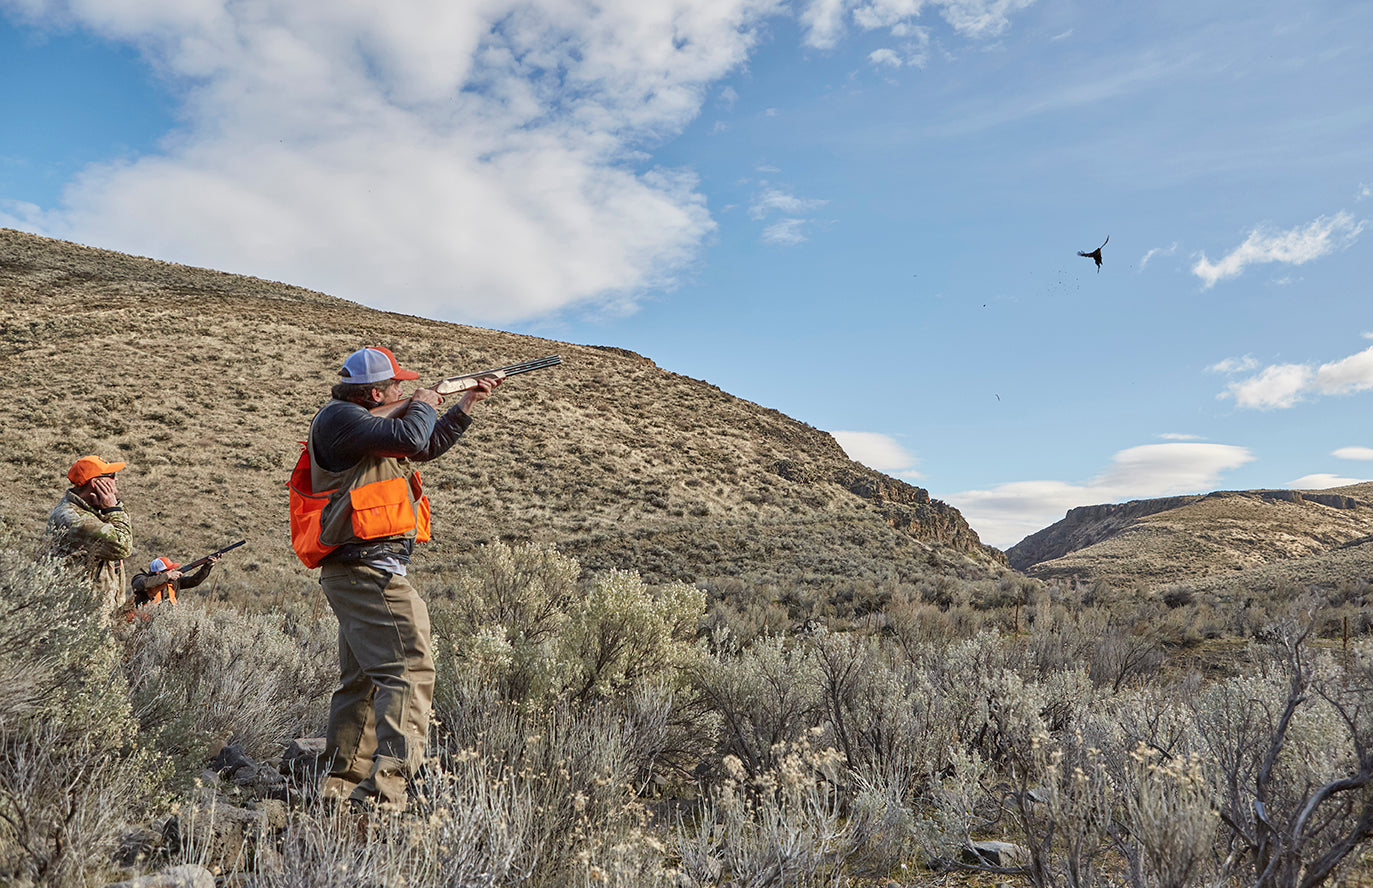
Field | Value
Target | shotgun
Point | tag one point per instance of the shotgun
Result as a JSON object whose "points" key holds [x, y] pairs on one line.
{"points": [[454, 384], [187, 568]]}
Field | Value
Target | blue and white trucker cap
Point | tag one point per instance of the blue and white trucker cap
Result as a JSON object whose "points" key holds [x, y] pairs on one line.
{"points": [[373, 364]]}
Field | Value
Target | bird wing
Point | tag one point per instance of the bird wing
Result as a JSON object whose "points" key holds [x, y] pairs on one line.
{"points": [[1097, 252]]}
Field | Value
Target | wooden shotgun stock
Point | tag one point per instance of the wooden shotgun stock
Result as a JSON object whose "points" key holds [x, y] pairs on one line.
{"points": [[454, 384]]}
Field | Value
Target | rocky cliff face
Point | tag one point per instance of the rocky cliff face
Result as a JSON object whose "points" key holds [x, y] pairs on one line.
{"points": [[1086, 526], [910, 510]]}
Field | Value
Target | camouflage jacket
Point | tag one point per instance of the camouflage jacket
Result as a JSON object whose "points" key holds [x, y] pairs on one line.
{"points": [[97, 543]]}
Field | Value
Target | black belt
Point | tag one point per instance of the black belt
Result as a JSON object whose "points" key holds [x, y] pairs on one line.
{"points": [[401, 550]]}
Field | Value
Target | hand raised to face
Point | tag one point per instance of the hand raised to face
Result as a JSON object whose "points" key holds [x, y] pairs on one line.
{"points": [[101, 492]]}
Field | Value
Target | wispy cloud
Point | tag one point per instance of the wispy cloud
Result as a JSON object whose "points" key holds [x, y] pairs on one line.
{"points": [[785, 232], [1283, 385], [1353, 453], [1234, 365], [1179, 436], [1009, 512], [1296, 246], [788, 231], [826, 21], [878, 451], [775, 200], [1158, 251]]}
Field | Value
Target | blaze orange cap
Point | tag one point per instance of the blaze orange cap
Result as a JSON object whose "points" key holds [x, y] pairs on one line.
{"points": [[160, 564], [88, 467]]}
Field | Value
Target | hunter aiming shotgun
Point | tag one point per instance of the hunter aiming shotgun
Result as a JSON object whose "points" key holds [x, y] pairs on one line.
{"points": [[454, 384], [187, 568]]}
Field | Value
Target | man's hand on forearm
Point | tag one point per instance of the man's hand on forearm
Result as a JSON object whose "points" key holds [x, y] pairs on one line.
{"points": [[427, 396], [480, 392]]}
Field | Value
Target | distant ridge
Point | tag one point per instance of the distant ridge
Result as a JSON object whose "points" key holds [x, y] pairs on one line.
{"points": [[204, 382], [1190, 538]]}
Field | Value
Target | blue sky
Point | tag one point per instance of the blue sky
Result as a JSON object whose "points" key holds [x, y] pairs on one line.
{"points": [[863, 213]]}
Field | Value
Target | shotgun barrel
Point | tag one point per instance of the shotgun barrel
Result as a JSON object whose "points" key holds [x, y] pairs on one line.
{"points": [[468, 380], [454, 384], [185, 568]]}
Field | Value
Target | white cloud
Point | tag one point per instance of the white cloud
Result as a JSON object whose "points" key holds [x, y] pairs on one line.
{"points": [[981, 18], [1164, 469], [878, 451], [1234, 365], [1179, 436], [1280, 385], [1007, 513], [1353, 453], [19, 214], [1283, 385], [1294, 247], [785, 232], [1321, 481], [873, 14], [1158, 251], [1342, 377], [888, 57], [775, 200], [474, 161], [824, 21]]}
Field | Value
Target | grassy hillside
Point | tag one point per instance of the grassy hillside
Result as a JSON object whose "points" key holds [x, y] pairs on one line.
{"points": [[1223, 539], [204, 382]]}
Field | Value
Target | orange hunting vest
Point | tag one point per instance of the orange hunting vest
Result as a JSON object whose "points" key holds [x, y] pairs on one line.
{"points": [[380, 498], [155, 595]]}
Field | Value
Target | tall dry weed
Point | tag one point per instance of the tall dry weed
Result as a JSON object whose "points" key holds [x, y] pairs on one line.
{"points": [[260, 679]]}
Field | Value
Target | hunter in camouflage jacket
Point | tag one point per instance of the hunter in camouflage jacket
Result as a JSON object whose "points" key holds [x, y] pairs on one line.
{"points": [[96, 541]]}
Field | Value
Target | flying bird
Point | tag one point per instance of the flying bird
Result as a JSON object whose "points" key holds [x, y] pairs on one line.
{"points": [[1095, 255]]}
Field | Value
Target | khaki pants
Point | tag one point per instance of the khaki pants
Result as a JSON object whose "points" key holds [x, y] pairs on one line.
{"points": [[379, 716]]}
